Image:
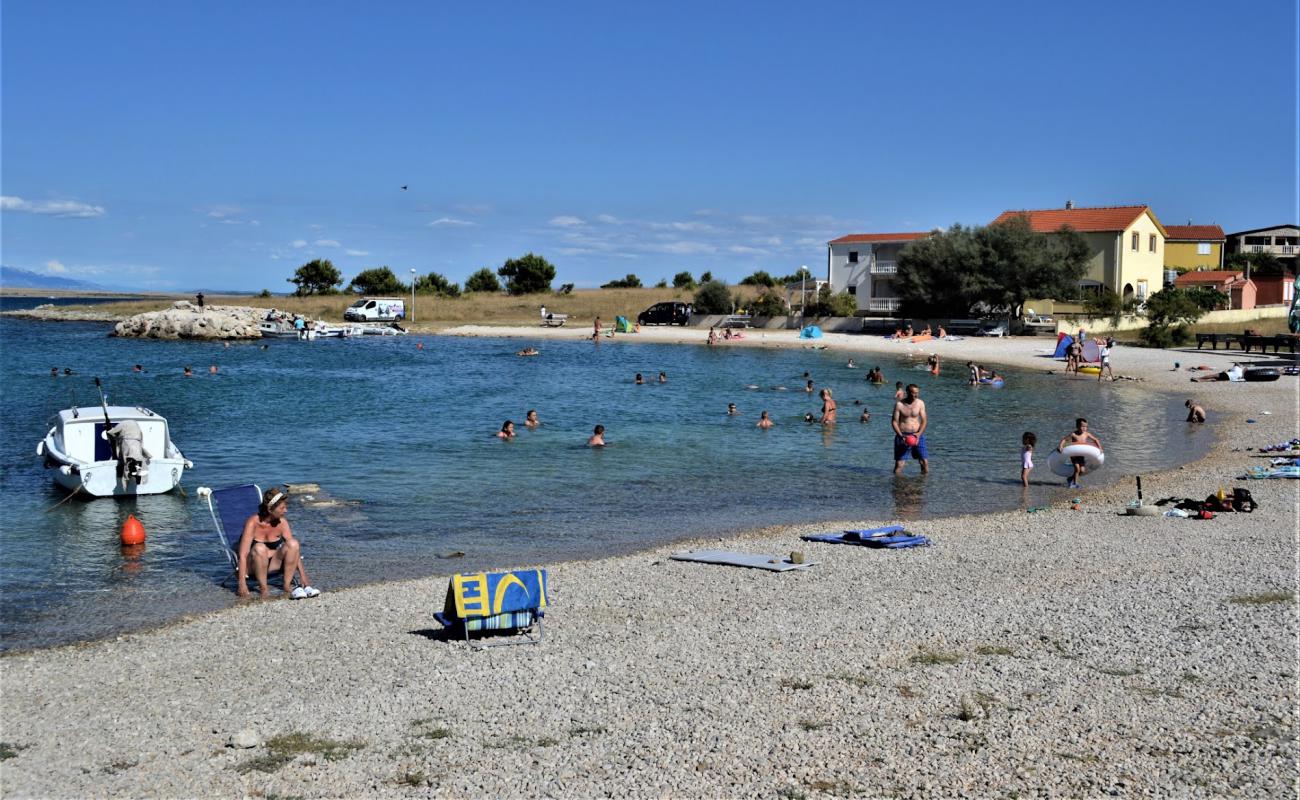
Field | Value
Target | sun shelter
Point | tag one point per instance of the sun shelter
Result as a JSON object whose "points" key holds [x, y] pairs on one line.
{"points": [[1063, 342], [622, 325], [811, 332]]}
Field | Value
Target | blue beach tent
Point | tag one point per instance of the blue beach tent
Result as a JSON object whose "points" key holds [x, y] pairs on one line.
{"points": [[1063, 342], [811, 332]]}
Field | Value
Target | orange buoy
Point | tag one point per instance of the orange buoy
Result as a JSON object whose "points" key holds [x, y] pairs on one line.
{"points": [[132, 532]]}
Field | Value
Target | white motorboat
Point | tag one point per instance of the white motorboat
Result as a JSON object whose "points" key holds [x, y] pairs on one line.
{"points": [[112, 451]]}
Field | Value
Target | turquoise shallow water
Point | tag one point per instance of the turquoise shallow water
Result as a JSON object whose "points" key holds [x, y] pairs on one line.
{"points": [[409, 433]]}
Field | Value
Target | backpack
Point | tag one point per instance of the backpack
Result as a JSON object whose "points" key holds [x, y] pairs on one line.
{"points": [[1213, 503], [1242, 501]]}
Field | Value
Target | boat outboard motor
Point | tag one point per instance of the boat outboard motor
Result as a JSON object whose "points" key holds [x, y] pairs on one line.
{"points": [[132, 463]]}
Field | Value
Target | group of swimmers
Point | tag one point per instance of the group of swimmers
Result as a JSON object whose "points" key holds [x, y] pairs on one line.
{"points": [[977, 374], [640, 381]]}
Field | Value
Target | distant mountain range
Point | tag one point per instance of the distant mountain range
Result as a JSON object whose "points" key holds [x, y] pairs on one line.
{"points": [[15, 278]]}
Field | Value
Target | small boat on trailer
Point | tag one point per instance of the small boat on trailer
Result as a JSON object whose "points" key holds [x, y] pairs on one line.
{"points": [[112, 451]]}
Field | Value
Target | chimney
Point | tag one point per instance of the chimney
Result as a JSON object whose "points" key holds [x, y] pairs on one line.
{"points": [[1069, 204]]}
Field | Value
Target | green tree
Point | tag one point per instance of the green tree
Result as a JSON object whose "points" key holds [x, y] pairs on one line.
{"points": [[683, 280], [629, 282], [1258, 263], [1107, 304], [377, 280], [527, 275], [1207, 297], [436, 283], [705, 278], [759, 278], [1170, 314], [831, 304], [662, 284], [318, 276], [485, 280], [999, 267], [713, 298], [769, 303]]}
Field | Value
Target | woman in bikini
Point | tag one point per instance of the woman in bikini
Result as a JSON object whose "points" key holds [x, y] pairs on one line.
{"points": [[268, 544]]}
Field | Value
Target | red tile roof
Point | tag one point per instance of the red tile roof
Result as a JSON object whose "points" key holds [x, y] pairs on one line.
{"points": [[1209, 276], [1194, 232], [855, 238], [1084, 220]]}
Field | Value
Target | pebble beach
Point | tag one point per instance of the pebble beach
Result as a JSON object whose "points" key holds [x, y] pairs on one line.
{"points": [[1063, 653]]}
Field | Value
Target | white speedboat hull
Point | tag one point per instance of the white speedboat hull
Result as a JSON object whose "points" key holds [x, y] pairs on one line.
{"points": [[80, 461]]}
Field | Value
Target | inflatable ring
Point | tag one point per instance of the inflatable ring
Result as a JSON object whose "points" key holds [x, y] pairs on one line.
{"points": [[1059, 462], [1261, 374], [996, 384], [1090, 370]]}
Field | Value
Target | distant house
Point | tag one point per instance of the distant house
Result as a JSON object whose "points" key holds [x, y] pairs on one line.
{"points": [[1274, 290], [1241, 290], [1282, 241], [1126, 243], [1189, 247], [864, 265]]}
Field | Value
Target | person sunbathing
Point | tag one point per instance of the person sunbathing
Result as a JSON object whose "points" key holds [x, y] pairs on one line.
{"points": [[267, 544]]}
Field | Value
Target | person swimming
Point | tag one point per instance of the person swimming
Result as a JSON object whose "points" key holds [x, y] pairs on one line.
{"points": [[530, 419], [507, 430], [731, 410], [850, 365], [639, 381], [764, 421], [527, 351], [597, 437], [663, 377], [189, 372]]}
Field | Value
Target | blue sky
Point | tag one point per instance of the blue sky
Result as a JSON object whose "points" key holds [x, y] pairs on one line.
{"points": [[220, 145]]}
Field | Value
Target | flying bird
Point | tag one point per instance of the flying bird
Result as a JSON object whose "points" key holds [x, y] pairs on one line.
{"points": [[403, 188]]}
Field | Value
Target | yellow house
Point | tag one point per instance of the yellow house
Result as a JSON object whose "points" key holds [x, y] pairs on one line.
{"points": [[1189, 247], [1127, 244]]}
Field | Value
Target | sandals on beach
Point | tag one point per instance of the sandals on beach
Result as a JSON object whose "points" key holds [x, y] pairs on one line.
{"points": [[303, 592]]}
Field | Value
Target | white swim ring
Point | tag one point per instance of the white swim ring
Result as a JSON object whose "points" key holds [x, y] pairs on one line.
{"points": [[1059, 462]]}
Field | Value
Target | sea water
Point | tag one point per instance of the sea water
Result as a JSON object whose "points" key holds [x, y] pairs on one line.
{"points": [[400, 431]]}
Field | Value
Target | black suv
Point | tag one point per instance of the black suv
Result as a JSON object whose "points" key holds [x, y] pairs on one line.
{"points": [[666, 313]]}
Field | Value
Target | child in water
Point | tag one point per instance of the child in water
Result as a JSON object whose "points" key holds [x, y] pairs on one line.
{"points": [[597, 437], [1027, 443]]}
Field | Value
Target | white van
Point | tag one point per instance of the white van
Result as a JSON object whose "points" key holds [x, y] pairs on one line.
{"points": [[376, 309]]}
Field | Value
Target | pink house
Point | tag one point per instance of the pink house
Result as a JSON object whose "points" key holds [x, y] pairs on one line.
{"points": [[1240, 290]]}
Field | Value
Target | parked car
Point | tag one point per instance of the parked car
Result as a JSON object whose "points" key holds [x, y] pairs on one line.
{"points": [[993, 328], [665, 313], [376, 309]]}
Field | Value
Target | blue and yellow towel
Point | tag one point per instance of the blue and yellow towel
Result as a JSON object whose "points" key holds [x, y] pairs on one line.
{"points": [[486, 594]]}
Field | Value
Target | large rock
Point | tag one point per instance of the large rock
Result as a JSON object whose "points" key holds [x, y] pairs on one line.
{"points": [[184, 320]]}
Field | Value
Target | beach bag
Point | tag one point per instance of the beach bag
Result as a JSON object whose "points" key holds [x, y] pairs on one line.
{"points": [[1242, 501], [1213, 503], [1204, 513]]}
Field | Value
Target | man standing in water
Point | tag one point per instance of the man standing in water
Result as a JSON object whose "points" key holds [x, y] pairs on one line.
{"points": [[909, 421]]}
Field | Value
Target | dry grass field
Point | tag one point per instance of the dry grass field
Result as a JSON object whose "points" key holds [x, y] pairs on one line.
{"points": [[434, 313]]}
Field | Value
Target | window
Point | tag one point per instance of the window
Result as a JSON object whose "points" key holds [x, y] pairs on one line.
{"points": [[1258, 240], [853, 289], [1151, 243], [853, 256], [1202, 248], [1142, 290], [1136, 238]]}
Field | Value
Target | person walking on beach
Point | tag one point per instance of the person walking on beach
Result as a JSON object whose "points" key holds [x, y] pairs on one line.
{"points": [[828, 407], [1027, 442], [1074, 355], [595, 332], [1105, 359], [909, 422], [1194, 412], [1080, 435]]}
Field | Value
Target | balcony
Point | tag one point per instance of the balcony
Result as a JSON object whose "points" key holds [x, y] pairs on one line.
{"points": [[882, 304], [884, 267]]}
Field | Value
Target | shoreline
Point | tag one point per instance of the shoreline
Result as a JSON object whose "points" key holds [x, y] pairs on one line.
{"points": [[1022, 653]]}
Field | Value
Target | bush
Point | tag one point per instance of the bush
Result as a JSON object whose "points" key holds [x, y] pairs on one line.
{"points": [[629, 282], [265, 293], [437, 284], [683, 280], [565, 288], [528, 274], [662, 284], [829, 304], [1107, 304], [485, 280], [769, 304], [713, 298], [759, 278], [1165, 336]]}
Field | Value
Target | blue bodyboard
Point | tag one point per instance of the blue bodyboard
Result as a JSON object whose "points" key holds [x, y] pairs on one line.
{"points": [[892, 537]]}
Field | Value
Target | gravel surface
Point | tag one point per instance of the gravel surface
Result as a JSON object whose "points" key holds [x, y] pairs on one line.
{"points": [[1072, 653]]}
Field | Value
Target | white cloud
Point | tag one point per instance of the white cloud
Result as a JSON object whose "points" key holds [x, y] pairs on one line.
{"points": [[224, 212], [451, 222], [683, 248], [352, 252], [609, 219], [740, 249], [53, 208], [54, 267], [566, 221], [326, 243], [299, 243], [754, 219]]}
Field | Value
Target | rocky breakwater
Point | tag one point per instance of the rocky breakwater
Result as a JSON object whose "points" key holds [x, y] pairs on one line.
{"points": [[184, 320]]}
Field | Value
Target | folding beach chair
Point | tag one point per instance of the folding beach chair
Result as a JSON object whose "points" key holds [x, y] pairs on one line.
{"points": [[496, 601], [230, 508]]}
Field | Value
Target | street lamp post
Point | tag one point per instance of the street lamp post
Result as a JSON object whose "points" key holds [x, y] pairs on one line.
{"points": [[412, 295], [803, 294]]}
